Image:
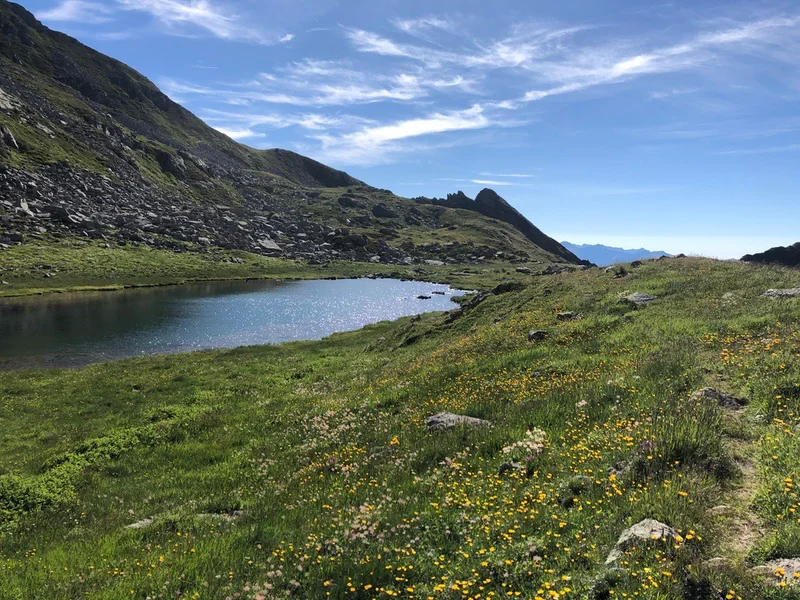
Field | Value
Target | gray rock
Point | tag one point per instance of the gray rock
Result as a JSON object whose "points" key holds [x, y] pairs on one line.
{"points": [[171, 164], [718, 563], [268, 244], [445, 420], [524, 270], [8, 138], [383, 211], [785, 293], [722, 399], [509, 467], [140, 524], [778, 571], [639, 298], [537, 335], [567, 316], [644, 532]]}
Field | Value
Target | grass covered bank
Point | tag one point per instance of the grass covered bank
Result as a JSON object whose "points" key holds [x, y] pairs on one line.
{"points": [[305, 470], [78, 265]]}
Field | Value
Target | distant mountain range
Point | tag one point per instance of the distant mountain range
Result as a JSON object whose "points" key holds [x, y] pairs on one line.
{"points": [[788, 256], [609, 255]]}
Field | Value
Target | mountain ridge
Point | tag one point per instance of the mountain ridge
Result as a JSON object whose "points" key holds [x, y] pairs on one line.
{"points": [[788, 256], [89, 147], [603, 255]]}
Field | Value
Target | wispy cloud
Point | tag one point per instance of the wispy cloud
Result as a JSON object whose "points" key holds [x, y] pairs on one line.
{"points": [[181, 17], [200, 14], [614, 63], [79, 11], [519, 175], [424, 25], [377, 144], [767, 150], [240, 134]]}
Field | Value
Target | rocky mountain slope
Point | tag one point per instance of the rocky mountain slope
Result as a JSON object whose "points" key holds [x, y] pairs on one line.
{"points": [[609, 255], [788, 256], [89, 147], [490, 204]]}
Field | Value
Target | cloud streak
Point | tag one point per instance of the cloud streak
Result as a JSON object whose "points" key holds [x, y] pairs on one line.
{"points": [[179, 17]]}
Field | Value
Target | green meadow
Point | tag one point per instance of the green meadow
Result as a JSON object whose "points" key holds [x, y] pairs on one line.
{"points": [[305, 470]]}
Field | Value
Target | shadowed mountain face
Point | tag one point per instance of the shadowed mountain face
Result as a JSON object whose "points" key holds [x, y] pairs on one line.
{"points": [[609, 255], [90, 147], [490, 204], [788, 256]]}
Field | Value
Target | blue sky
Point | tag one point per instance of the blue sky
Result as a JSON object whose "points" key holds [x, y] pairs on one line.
{"points": [[669, 125]]}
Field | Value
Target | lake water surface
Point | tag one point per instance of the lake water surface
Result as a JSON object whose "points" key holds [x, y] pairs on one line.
{"points": [[59, 330]]}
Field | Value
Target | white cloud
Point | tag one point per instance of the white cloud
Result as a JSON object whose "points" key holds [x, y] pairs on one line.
{"points": [[240, 134], [201, 14], [424, 25], [589, 67], [768, 150], [521, 175], [378, 143], [80, 11]]}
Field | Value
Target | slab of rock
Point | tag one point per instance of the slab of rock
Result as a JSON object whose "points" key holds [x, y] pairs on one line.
{"points": [[537, 335], [786, 293], [445, 420], [567, 316], [140, 524], [721, 398], [643, 532], [779, 571], [639, 298]]}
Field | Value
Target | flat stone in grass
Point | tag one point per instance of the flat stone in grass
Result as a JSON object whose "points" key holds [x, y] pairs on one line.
{"points": [[140, 524], [782, 570], [643, 532], [721, 398], [567, 316], [445, 420], [786, 293], [640, 298]]}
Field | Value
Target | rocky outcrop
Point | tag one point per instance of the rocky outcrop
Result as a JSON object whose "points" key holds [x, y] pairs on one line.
{"points": [[788, 256], [721, 399], [490, 204], [784, 293], [445, 420], [640, 298], [644, 532]]}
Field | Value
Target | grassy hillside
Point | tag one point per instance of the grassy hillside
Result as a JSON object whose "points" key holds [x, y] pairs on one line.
{"points": [[305, 470]]}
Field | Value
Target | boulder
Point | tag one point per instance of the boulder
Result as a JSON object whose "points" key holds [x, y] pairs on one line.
{"points": [[785, 293], [639, 298], [567, 316], [537, 335], [721, 398], [140, 524], [172, 164], [384, 212], [524, 270], [643, 532], [268, 244], [8, 138], [445, 420], [780, 571]]}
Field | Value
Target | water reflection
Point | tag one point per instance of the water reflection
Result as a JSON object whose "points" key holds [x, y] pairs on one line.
{"points": [[74, 329]]}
